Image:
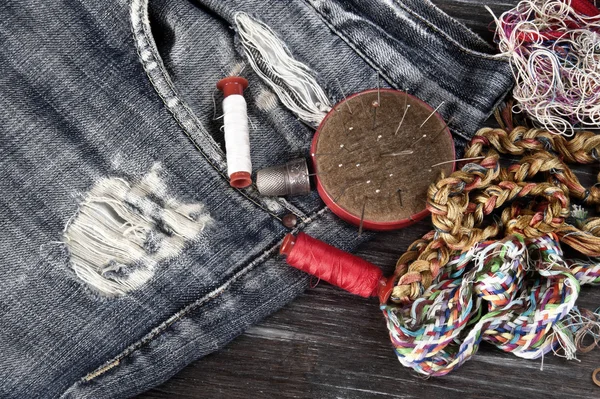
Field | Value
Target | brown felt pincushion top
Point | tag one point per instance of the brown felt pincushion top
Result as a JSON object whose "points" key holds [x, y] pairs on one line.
{"points": [[362, 163]]}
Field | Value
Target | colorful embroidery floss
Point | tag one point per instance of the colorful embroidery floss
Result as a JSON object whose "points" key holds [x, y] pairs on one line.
{"points": [[517, 294], [553, 49], [461, 202], [505, 279]]}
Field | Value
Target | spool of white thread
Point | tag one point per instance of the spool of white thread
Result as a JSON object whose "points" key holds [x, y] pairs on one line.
{"points": [[237, 133]]}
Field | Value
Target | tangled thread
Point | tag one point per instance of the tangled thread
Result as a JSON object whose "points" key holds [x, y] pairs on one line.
{"points": [[554, 48], [480, 276]]}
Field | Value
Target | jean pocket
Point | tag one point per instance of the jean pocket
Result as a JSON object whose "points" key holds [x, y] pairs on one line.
{"points": [[185, 49], [415, 46]]}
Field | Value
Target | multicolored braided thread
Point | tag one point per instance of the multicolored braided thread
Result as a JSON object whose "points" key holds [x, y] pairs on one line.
{"points": [[459, 203], [497, 293], [501, 279]]}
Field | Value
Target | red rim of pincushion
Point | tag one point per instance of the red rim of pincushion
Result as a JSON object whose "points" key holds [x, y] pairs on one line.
{"points": [[347, 216]]}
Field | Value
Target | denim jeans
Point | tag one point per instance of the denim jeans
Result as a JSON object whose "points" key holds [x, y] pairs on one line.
{"points": [[125, 253]]}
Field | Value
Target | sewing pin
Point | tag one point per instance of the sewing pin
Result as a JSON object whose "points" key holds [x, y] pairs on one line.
{"points": [[406, 107], [344, 191], [422, 137], [436, 134], [457, 160], [376, 104], [362, 103], [317, 174], [362, 218], [446, 124], [378, 89], [306, 124], [402, 120], [318, 154], [344, 94], [432, 113], [395, 154]]}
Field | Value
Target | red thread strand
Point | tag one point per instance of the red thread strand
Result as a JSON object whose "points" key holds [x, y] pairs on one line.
{"points": [[335, 266], [585, 7]]}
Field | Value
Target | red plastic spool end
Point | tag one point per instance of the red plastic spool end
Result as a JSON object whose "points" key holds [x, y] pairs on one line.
{"points": [[240, 179], [287, 245], [384, 291], [232, 85]]}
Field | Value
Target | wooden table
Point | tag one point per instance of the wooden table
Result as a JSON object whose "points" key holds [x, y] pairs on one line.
{"points": [[329, 344]]}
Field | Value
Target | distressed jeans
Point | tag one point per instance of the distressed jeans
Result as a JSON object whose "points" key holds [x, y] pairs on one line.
{"points": [[125, 254]]}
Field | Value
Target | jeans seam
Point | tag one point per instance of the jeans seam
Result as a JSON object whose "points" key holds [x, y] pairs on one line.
{"points": [[185, 311], [461, 47], [180, 111]]}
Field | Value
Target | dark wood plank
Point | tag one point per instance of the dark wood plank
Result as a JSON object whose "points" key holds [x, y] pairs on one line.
{"points": [[329, 344]]}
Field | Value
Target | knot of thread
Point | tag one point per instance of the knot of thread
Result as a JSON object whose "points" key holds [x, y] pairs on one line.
{"points": [[462, 203], [335, 266]]}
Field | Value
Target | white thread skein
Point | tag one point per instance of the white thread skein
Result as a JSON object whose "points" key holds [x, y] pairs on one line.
{"points": [[237, 135]]}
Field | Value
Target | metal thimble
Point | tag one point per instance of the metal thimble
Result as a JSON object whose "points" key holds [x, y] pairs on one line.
{"points": [[289, 179]]}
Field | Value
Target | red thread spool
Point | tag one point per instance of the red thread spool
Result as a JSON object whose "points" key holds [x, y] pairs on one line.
{"points": [[333, 265]]}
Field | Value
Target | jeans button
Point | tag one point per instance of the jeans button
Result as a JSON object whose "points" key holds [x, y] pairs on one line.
{"points": [[290, 220]]}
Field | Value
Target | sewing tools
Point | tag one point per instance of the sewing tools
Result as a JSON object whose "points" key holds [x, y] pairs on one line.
{"points": [[291, 179], [553, 48], [237, 136], [374, 155], [474, 278]]}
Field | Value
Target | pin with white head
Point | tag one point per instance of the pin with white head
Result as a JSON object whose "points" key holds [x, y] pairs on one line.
{"points": [[237, 133]]}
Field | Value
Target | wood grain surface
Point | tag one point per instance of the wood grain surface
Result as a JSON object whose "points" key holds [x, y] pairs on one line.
{"points": [[329, 344]]}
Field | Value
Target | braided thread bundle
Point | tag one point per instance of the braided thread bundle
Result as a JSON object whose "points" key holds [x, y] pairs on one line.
{"points": [[552, 46], [460, 202], [447, 277], [484, 295]]}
